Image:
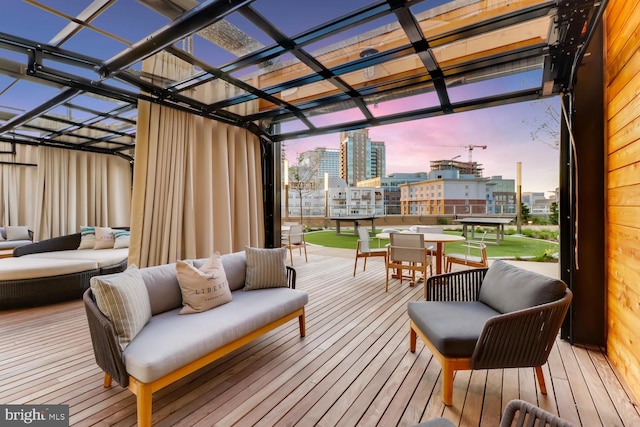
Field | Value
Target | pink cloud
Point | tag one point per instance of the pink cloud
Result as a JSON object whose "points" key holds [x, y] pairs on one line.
{"points": [[506, 130]]}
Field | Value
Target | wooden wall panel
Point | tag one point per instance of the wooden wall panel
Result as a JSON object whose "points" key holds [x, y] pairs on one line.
{"points": [[622, 85], [626, 196], [627, 157], [623, 76]]}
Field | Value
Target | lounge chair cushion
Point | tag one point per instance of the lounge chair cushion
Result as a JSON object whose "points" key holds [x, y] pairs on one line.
{"points": [[452, 327], [507, 288], [103, 257], [23, 268]]}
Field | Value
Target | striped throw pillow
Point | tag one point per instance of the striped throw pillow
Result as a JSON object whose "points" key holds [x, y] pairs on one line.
{"points": [[265, 268], [87, 237], [124, 299]]}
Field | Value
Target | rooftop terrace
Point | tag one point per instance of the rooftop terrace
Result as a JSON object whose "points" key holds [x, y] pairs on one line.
{"points": [[353, 368]]}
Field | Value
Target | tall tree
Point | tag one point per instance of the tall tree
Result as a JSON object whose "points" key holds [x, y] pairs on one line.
{"points": [[304, 180]]}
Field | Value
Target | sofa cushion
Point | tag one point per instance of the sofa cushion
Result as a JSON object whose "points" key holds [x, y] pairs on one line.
{"points": [[22, 268], [104, 257], [87, 237], [104, 238], [452, 327], [164, 290], [235, 268], [16, 232], [169, 341], [122, 238], [265, 268], [11, 244], [203, 288], [123, 298], [2, 234], [508, 288]]}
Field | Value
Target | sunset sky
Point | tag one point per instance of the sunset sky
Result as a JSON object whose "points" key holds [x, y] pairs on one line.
{"points": [[410, 146], [506, 131]]}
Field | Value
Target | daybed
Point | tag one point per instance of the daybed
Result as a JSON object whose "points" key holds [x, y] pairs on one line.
{"points": [[171, 345], [54, 270]]}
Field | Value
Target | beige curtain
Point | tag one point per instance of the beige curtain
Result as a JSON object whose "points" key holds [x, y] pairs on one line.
{"points": [[197, 182], [78, 188], [17, 186]]}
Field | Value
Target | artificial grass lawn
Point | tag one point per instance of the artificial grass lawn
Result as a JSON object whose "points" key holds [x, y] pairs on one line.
{"points": [[510, 247]]}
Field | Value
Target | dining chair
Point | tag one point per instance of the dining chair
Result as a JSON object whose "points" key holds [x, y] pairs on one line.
{"points": [[294, 238], [475, 255], [432, 247], [364, 250], [406, 251]]}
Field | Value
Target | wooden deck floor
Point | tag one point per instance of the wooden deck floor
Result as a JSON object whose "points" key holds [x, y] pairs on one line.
{"points": [[353, 368]]}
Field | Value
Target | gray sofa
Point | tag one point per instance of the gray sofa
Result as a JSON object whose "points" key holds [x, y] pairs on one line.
{"points": [[54, 270], [12, 244], [171, 346]]}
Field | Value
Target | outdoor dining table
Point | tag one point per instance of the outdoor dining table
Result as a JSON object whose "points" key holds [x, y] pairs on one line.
{"points": [[440, 240]]}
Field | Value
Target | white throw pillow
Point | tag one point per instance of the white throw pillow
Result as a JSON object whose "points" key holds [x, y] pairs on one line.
{"points": [[122, 239], [16, 232], [104, 238], [204, 288], [87, 237], [124, 299]]}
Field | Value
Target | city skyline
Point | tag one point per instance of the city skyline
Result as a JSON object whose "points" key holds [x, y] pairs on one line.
{"points": [[506, 130]]}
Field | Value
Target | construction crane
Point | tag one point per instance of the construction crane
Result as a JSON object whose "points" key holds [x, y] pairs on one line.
{"points": [[470, 148]]}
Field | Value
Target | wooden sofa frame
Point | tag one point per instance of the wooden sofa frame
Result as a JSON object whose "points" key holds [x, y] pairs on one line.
{"points": [[109, 356]]}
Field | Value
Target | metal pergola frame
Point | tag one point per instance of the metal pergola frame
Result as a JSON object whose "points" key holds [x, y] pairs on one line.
{"points": [[572, 22]]}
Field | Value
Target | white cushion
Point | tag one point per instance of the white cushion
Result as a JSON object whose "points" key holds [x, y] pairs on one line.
{"points": [[122, 239], [87, 237], [15, 232], [24, 267], [170, 341], [104, 238], [203, 288], [103, 257]]}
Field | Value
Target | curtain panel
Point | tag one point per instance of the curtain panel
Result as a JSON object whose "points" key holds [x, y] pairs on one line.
{"points": [[17, 186], [76, 188], [197, 182]]}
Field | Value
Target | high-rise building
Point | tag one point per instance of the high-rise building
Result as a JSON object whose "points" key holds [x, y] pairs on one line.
{"points": [[360, 158], [322, 160]]}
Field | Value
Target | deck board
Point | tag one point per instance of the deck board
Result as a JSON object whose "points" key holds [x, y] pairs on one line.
{"points": [[353, 368]]}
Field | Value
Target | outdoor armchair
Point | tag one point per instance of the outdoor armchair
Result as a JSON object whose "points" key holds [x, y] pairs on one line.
{"points": [[488, 318]]}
